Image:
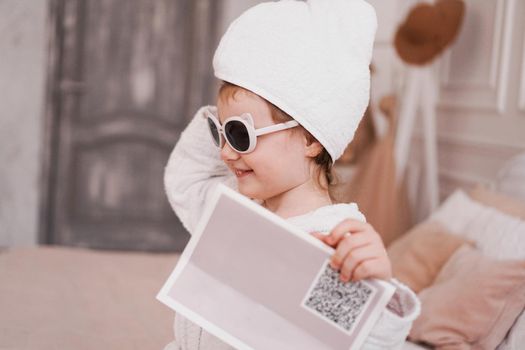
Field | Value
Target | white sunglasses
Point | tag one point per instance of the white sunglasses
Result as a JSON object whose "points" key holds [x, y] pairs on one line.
{"points": [[239, 131]]}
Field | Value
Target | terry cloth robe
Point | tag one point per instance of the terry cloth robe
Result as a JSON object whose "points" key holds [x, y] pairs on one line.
{"points": [[194, 169]]}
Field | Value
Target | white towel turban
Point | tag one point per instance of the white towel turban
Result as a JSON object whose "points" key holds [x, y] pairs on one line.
{"points": [[309, 58]]}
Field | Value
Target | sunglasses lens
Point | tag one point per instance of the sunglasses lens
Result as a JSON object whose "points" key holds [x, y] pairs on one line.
{"points": [[214, 132], [237, 135]]}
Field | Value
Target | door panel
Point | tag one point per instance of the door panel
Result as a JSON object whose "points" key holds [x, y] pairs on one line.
{"points": [[129, 76]]}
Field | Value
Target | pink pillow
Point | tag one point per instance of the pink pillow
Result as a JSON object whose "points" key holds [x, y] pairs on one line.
{"points": [[418, 255], [473, 302]]}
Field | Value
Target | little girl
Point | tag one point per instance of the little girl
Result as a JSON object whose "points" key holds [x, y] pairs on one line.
{"points": [[295, 84]]}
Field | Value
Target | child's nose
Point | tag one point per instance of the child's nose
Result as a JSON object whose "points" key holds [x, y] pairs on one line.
{"points": [[228, 153]]}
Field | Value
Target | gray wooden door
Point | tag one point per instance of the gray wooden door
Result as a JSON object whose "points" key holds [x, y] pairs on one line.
{"points": [[125, 78]]}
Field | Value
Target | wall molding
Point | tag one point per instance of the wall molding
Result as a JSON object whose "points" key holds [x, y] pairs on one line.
{"points": [[465, 181], [491, 93], [450, 181], [521, 98], [479, 146]]}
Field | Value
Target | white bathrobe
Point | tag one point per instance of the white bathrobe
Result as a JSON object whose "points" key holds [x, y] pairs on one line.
{"points": [[193, 169]]}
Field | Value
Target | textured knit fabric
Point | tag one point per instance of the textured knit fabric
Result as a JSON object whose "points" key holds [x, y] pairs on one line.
{"points": [[193, 169], [309, 58]]}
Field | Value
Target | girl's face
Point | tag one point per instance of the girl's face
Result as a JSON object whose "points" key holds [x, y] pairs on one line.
{"points": [[280, 161]]}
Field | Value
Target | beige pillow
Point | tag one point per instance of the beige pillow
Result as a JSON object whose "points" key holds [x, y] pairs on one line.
{"points": [[472, 303], [503, 203], [418, 255]]}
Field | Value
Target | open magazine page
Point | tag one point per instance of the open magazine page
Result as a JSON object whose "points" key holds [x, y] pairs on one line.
{"points": [[257, 282]]}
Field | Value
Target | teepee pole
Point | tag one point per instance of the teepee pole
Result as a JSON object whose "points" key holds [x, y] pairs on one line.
{"points": [[420, 92], [428, 107], [405, 122]]}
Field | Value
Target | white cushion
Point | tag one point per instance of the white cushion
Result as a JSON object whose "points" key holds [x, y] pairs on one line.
{"points": [[511, 177], [496, 234]]}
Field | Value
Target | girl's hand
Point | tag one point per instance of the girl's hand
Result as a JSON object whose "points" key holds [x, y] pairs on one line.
{"points": [[359, 253]]}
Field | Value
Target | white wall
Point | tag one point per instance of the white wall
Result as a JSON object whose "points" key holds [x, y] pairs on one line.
{"points": [[481, 114], [22, 76], [481, 109]]}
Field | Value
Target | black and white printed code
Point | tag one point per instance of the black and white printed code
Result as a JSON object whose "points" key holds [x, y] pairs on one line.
{"points": [[337, 301]]}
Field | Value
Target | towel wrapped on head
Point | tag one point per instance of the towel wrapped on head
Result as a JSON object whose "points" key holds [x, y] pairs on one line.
{"points": [[309, 58]]}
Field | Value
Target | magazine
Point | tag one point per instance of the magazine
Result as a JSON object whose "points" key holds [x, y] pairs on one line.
{"points": [[256, 281]]}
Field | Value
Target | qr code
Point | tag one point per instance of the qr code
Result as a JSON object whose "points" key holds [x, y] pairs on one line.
{"points": [[337, 301]]}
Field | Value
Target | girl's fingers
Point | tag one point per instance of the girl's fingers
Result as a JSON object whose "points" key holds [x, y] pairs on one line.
{"points": [[345, 226], [376, 268], [318, 235], [348, 244], [356, 257]]}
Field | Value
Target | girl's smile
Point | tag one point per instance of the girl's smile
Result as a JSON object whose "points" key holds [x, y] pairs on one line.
{"points": [[242, 173], [279, 170]]}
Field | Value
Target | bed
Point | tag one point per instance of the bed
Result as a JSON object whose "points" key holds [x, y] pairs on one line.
{"points": [[68, 298]]}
